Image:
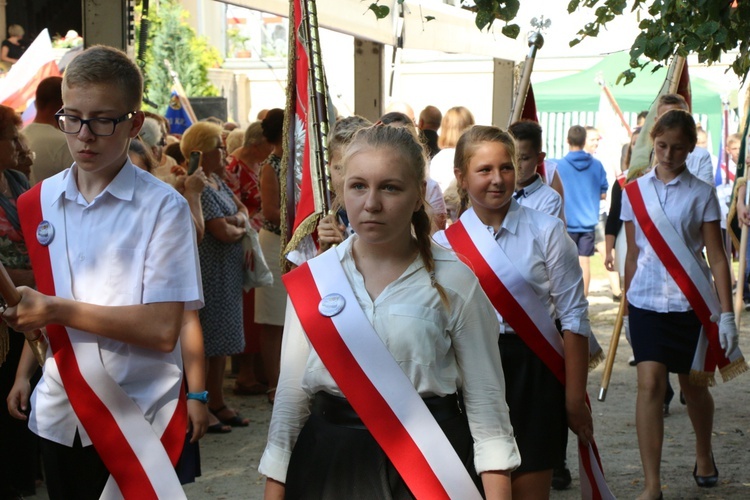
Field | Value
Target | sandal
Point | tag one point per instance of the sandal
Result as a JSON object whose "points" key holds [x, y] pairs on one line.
{"points": [[218, 428], [249, 390], [234, 421]]}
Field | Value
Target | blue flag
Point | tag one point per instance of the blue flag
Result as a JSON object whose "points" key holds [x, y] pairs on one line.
{"points": [[177, 116]]}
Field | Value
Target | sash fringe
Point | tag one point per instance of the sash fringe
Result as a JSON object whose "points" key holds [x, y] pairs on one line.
{"points": [[596, 359], [702, 379], [733, 369]]}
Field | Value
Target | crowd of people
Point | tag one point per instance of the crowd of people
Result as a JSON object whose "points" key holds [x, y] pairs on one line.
{"points": [[436, 342]]}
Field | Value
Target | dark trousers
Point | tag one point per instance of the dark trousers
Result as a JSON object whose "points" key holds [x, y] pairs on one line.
{"points": [[75, 472]]}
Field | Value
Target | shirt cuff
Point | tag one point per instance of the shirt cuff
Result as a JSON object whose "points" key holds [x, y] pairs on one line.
{"points": [[275, 462], [499, 453], [579, 326]]}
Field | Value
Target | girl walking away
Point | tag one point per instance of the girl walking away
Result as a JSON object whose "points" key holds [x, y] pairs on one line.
{"points": [[382, 332], [670, 216], [528, 267]]}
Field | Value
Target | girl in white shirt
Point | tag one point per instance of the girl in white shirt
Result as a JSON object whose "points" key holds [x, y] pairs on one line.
{"points": [[664, 329], [428, 310], [543, 255]]}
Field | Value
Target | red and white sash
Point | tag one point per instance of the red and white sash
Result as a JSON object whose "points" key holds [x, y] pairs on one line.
{"points": [[139, 455], [518, 304], [375, 385], [690, 277]]}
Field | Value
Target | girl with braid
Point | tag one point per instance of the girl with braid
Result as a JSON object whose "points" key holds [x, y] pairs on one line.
{"points": [[346, 421]]}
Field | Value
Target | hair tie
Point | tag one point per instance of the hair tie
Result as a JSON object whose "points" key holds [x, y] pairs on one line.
{"points": [[433, 281]]}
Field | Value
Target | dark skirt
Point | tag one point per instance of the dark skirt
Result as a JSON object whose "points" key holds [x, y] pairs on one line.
{"points": [[536, 400], [667, 338], [335, 457]]}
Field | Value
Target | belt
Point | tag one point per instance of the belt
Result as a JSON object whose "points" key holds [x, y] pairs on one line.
{"points": [[337, 410]]}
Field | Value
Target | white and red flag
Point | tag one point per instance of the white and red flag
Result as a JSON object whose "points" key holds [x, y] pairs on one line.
{"points": [[18, 88], [304, 181]]}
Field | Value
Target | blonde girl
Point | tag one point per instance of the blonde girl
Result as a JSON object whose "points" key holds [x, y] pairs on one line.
{"points": [[428, 310], [541, 254]]}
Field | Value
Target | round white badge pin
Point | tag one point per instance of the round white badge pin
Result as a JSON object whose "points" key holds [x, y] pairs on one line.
{"points": [[331, 305], [45, 233]]}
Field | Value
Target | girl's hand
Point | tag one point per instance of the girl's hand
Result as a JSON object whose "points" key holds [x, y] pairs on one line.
{"points": [[580, 421], [609, 261], [742, 214], [728, 337], [198, 418], [330, 232]]}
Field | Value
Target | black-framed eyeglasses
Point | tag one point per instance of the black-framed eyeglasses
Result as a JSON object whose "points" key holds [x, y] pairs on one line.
{"points": [[101, 127]]}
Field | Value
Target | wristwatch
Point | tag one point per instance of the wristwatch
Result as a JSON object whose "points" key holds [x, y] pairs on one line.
{"points": [[199, 396]]}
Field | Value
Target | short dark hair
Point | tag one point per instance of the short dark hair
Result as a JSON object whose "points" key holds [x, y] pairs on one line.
{"points": [[528, 130], [273, 125], [396, 117], [673, 100], [49, 93], [577, 136]]}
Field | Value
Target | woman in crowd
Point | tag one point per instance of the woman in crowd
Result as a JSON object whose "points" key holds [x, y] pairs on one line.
{"points": [[436, 333], [18, 446], [270, 301], [221, 259], [455, 121], [12, 48], [243, 176]]}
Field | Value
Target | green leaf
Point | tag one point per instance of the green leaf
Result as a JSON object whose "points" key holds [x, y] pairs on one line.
{"points": [[429, 18], [380, 11], [484, 19], [511, 30]]}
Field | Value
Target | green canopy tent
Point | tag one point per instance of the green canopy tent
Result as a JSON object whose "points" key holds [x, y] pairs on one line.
{"points": [[580, 92]]}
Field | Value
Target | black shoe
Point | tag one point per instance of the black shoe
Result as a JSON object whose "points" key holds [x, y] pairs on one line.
{"points": [[666, 409], [682, 398], [706, 481], [561, 478], [616, 298]]}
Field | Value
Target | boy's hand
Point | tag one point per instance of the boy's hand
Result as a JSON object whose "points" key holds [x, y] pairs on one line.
{"points": [[609, 261], [18, 398], [198, 417], [31, 313]]}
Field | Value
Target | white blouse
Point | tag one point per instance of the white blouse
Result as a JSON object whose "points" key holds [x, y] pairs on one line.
{"points": [[547, 258], [688, 203], [440, 349]]}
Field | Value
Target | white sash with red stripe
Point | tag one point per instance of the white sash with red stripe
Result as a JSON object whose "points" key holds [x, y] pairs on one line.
{"points": [[518, 304], [690, 277], [139, 455], [375, 385]]}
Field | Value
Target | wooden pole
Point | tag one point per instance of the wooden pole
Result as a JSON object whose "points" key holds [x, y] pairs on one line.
{"points": [[612, 352]]}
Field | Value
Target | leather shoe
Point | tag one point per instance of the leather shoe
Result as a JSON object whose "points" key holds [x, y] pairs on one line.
{"points": [[706, 481]]}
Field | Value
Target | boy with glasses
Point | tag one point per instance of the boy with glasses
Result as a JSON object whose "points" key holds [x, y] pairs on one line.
{"points": [[115, 261]]}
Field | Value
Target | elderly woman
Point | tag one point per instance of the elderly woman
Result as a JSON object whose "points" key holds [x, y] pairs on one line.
{"points": [[243, 176], [18, 446], [221, 259]]}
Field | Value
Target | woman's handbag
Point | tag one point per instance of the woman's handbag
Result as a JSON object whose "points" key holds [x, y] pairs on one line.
{"points": [[255, 271]]}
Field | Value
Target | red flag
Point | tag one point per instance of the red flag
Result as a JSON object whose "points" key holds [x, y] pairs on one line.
{"points": [[36, 64], [529, 107], [303, 178]]}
